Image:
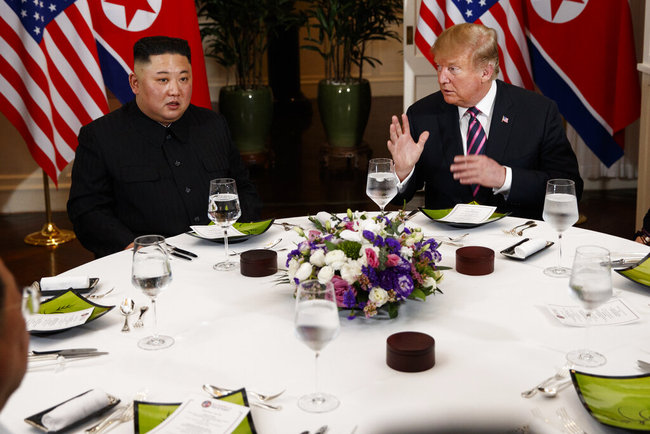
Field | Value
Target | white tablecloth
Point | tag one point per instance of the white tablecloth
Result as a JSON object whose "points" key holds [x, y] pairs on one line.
{"points": [[494, 339]]}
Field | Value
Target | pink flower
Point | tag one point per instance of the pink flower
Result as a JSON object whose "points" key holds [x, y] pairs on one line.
{"points": [[340, 288], [313, 234], [392, 260], [371, 256]]}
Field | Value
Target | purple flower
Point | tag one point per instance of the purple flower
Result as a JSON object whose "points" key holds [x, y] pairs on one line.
{"points": [[393, 245], [345, 294], [369, 235]]}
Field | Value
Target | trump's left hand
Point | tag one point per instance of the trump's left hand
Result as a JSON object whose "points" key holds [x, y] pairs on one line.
{"points": [[478, 169]]}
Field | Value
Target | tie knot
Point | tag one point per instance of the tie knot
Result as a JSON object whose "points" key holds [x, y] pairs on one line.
{"points": [[473, 111]]}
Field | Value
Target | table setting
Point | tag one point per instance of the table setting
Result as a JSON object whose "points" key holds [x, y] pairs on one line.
{"points": [[405, 339]]}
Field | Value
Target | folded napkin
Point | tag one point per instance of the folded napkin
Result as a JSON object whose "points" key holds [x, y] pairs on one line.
{"points": [[529, 247], [64, 282], [75, 409]]}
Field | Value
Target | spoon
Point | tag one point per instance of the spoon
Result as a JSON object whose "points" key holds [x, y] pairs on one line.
{"points": [[266, 246], [126, 308], [552, 391], [521, 232], [217, 392], [139, 322]]}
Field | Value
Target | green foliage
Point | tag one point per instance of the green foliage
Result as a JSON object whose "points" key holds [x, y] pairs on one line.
{"points": [[236, 33], [339, 31], [351, 249]]}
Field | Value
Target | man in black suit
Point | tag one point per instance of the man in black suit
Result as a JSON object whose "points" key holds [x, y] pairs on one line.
{"points": [[520, 138], [146, 167]]}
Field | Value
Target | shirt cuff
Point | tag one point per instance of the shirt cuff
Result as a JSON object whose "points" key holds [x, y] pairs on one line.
{"points": [[505, 188], [401, 186]]}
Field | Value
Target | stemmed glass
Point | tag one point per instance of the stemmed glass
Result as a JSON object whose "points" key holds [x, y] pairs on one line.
{"points": [[317, 323], [224, 210], [561, 212], [152, 273], [591, 282], [382, 181]]}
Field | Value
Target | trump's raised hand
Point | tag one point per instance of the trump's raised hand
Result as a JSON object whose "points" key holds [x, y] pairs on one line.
{"points": [[404, 150]]}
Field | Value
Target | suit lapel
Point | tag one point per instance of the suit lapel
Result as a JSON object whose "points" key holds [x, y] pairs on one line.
{"points": [[450, 133], [502, 118]]}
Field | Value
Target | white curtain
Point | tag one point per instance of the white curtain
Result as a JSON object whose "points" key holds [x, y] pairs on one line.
{"points": [[592, 168]]}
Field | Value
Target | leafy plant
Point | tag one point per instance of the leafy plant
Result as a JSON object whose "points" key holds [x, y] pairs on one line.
{"points": [[236, 33], [339, 30]]}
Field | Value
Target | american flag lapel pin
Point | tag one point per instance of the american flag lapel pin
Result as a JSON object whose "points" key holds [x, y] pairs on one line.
{"points": [[504, 119]]}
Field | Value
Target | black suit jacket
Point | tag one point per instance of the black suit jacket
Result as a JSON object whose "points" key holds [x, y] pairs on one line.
{"points": [[132, 176], [526, 134]]}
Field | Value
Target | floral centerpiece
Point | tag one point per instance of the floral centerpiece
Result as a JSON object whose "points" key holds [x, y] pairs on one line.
{"points": [[374, 263]]}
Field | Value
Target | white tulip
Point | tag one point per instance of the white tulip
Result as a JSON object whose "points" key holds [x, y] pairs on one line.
{"points": [[304, 271], [350, 271], [317, 257], [378, 296]]}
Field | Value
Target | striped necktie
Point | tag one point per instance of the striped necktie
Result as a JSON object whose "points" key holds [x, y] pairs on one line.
{"points": [[476, 139]]}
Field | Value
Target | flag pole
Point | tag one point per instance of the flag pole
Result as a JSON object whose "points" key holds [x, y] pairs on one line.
{"points": [[49, 235]]}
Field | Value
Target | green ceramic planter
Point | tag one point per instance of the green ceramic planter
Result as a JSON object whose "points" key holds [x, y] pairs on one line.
{"points": [[344, 111], [249, 113]]}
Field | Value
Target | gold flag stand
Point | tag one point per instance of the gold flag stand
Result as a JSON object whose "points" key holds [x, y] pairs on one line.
{"points": [[49, 235]]}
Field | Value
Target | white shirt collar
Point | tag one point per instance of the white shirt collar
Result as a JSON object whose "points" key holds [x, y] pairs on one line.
{"points": [[485, 105]]}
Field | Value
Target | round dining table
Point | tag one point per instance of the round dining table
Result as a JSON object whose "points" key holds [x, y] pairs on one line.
{"points": [[494, 338]]}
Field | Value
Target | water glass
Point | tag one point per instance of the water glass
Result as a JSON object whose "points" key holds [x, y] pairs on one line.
{"points": [[317, 324], [224, 210], [560, 212], [381, 186]]}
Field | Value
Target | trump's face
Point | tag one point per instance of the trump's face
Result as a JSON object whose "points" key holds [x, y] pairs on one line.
{"points": [[163, 86], [462, 83]]}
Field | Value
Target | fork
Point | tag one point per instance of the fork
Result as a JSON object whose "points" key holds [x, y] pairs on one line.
{"points": [[285, 225], [95, 296], [570, 425], [521, 232], [513, 231]]}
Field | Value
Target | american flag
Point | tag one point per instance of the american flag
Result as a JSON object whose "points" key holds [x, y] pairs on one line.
{"points": [[504, 16], [50, 80]]}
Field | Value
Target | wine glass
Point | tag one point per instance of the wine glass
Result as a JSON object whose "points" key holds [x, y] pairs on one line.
{"points": [[591, 282], [561, 212], [382, 181], [224, 210], [152, 273], [317, 323]]}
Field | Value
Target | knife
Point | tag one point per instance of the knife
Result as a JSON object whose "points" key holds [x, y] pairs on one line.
{"points": [[180, 255], [185, 252], [644, 365], [321, 430], [65, 352], [410, 215]]}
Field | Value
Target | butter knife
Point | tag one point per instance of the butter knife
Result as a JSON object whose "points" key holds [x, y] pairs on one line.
{"points": [[64, 352]]}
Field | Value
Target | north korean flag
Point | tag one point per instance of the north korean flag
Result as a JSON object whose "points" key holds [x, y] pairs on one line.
{"points": [[582, 55], [118, 24]]}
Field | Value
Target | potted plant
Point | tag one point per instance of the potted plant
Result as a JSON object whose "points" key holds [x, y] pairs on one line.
{"points": [[340, 30], [235, 34]]}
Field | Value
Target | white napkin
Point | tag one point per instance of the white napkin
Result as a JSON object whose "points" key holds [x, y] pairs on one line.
{"points": [[64, 282], [212, 232], [529, 247], [75, 409]]}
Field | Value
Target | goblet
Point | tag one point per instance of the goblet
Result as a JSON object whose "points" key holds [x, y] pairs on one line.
{"points": [[317, 323], [151, 272], [591, 283], [381, 186], [560, 212], [224, 210]]}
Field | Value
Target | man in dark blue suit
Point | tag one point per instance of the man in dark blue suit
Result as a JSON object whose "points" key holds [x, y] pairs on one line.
{"points": [[478, 138]]}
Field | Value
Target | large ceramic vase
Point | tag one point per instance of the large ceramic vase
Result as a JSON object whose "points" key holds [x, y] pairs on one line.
{"points": [[249, 113], [344, 111]]}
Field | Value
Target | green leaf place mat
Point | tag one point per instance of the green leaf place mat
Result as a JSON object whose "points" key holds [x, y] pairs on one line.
{"points": [[70, 301], [149, 415], [437, 214], [639, 273], [622, 402], [253, 228]]}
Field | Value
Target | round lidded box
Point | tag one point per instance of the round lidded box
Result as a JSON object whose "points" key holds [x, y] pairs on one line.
{"points": [[475, 260], [258, 262], [410, 351]]}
